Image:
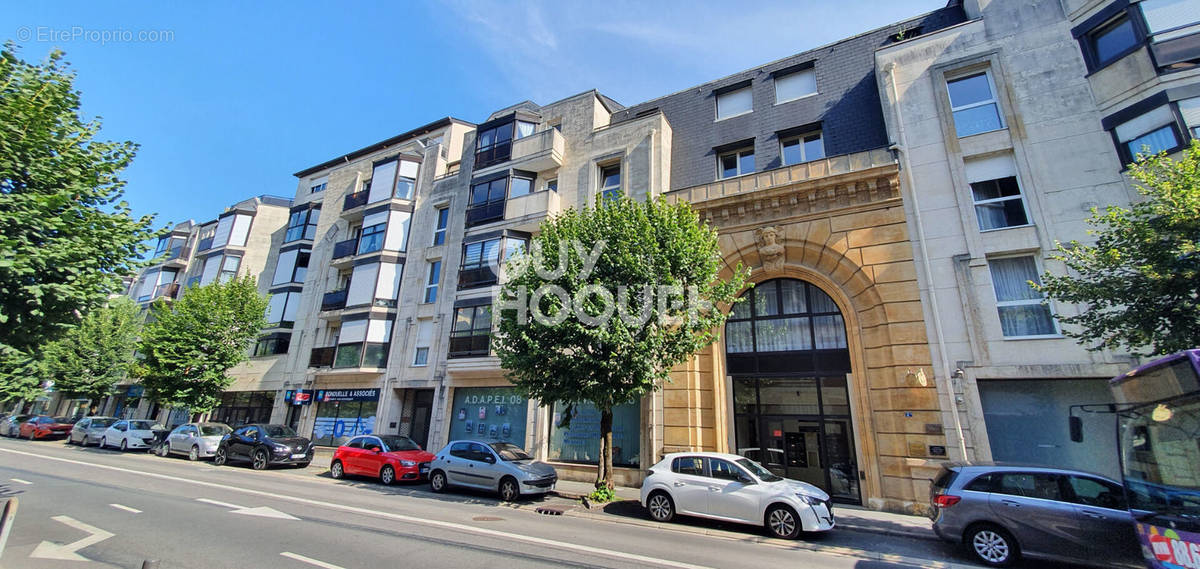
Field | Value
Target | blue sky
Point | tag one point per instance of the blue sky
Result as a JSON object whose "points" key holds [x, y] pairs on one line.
{"points": [[240, 96]]}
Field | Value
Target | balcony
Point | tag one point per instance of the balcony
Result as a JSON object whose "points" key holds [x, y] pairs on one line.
{"points": [[485, 213], [335, 300], [345, 248], [476, 277], [169, 290], [205, 244], [465, 346], [322, 357], [1176, 47], [357, 199], [528, 211], [539, 151]]}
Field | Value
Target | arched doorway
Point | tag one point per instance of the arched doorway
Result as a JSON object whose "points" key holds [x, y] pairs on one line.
{"points": [[785, 347]]}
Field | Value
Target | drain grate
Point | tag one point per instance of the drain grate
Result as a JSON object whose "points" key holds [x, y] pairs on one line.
{"points": [[550, 511], [487, 519]]}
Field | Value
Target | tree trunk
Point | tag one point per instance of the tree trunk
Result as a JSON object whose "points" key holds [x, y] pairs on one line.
{"points": [[604, 472]]}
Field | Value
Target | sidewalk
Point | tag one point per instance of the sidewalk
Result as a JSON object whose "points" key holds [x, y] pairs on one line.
{"points": [[854, 518]]}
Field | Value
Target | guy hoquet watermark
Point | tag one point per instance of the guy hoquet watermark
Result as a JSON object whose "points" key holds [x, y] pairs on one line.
{"points": [[593, 304], [93, 35]]}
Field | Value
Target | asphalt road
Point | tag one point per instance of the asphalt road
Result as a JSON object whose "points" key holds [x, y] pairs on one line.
{"points": [[102, 508]]}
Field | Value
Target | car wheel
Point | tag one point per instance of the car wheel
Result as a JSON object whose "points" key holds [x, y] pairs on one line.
{"points": [[194, 454], [661, 507], [163, 450], [437, 481], [783, 522], [387, 475], [509, 489], [124, 445], [336, 470], [259, 460], [103, 442], [219, 458], [992, 545]]}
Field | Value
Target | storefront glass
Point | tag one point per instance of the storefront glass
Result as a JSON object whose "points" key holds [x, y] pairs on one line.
{"points": [[344, 413], [581, 442], [244, 407], [489, 414]]}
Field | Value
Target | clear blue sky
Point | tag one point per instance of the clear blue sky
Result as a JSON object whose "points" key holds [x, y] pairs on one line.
{"points": [[242, 95]]}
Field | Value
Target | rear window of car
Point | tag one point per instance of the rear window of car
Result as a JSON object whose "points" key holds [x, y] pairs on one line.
{"points": [[945, 479], [355, 443]]}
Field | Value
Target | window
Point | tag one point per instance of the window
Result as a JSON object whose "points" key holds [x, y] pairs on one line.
{"points": [[552, 185], [795, 85], [1093, 492], [1022, 313], [404, 187], [1190, 109], [724, 470], [973, 103], [785, 315], [372, 238], [693, 465], [443, 217], [471, 331], [302, 225], [431, 286], [1150, 133], [424, 338], [1029, 485], [1170, 19], [487, 202], [519, 187], [479, 263], [736, 163], [994, 189], [524, 129], [452, 168], [316, 188], [494, 145], [985, 483], [421, 357], [735, 103], [804, 148], [272, 346], [366, 186], [229, 268], [1112, 41], [610, 182]]}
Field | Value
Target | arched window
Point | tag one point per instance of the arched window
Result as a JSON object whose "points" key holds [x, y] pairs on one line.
{"points": [[795, 322]]}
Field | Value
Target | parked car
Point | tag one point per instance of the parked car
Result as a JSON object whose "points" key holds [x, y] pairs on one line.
{"points": [[11, 426], [504, 468], [196, 440], [733, 488], [89, 430], [46, 427], [388, 457], [130, 433], [1004, 512], [263, 445]]}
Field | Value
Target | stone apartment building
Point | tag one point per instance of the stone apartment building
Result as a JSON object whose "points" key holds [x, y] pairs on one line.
{"points": [[237, 243]]}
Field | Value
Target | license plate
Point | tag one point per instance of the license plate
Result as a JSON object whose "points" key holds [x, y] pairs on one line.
{"points": [[297, 456]]}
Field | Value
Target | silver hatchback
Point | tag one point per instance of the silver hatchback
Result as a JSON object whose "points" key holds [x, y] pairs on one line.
{"points": [[89, 430], [500, 467], [1003, 512]]}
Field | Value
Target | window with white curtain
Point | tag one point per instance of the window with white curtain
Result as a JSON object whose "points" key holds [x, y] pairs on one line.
{"points": [[1148, 133], [996, 193], [1022, 313], [785, 315]]}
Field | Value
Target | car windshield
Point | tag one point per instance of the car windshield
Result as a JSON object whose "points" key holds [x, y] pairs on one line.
{"points": [[397, 443], [278, 431], [758, 470], [213, 430], [102, 422], [63, 420], [509, 451], [144, 426]]}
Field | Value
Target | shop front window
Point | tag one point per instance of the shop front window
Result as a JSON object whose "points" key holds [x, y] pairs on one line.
{"points": [[580, 442], [242, 407], [343, 414], [488, 414]]}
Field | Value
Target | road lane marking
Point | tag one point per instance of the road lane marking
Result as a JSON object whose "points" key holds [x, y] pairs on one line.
{"points": [[261, 511], [126, 508], [456, 527], [309, 560], [19, 481], [51, 550]]}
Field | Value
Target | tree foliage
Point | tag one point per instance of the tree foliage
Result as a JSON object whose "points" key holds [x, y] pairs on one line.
{"points": [[190, 344], [647, 251], [92, 357], [1139, 281], [65, 237]]}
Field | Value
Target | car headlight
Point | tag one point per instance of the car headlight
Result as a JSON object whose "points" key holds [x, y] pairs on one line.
{"points": [[281, 448], [811, 501], [407, 463]]}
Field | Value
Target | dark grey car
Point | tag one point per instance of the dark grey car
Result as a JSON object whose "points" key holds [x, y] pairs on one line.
{"points": [[1003, 512]]}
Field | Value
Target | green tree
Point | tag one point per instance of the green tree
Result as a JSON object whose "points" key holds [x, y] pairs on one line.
{"points": [[617, 295], [1140, 281], [189, 345], [92, 357], [65, 237]]}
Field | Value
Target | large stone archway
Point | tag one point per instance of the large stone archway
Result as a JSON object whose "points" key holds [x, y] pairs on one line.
{"points": [[838, 224]]}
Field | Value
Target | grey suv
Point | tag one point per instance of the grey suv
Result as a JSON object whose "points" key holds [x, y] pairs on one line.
{"points": [[1001, 512], [500, 467]]}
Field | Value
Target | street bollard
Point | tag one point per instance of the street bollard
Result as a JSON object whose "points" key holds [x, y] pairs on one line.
{"points": [[6, 521]]}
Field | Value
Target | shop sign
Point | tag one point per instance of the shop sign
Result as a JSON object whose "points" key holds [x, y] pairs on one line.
{"points": [[1168, 547], [489, 414], [327, 395], [298, 397]]}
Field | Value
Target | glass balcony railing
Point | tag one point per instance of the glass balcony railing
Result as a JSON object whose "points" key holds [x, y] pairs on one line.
{"points": [[469, 345], [354, 200], [205, 244], [335, 300], [345, 248], [322, 357]]}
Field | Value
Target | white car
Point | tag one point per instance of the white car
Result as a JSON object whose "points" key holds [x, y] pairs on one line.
{"points": [[127, 434], [734, 488]]}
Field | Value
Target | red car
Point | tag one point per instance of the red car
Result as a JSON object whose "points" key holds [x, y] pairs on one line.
{"points": [[388, 457], [45, 427]]}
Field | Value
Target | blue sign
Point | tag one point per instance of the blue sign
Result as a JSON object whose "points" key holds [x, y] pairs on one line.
{"points": [[327, 395]]}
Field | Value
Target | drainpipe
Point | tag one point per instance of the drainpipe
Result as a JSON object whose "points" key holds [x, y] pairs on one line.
{"points": [[901, 147]]}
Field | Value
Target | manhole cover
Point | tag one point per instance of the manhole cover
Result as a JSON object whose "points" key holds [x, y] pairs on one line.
{"points": [[487, 519]]}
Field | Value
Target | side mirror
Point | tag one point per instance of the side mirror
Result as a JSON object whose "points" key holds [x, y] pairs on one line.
{"points": [[745, 479], [489, 459], [1075, 425]]}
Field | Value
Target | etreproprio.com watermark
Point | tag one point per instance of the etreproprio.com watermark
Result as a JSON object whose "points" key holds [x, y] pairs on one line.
{"points": [[92, 35]]}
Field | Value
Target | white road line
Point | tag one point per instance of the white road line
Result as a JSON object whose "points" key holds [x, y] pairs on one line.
{"points": [[19, 481], [456, 527], [309, 560], [222, 504], [126, 508]]}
